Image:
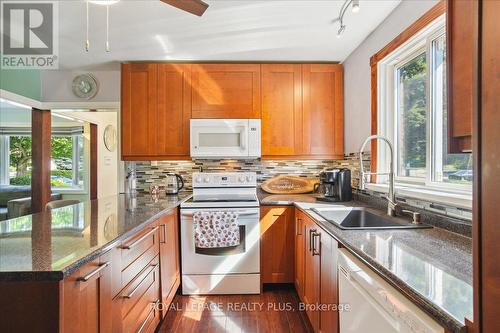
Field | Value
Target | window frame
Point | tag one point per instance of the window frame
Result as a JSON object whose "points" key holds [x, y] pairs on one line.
{"points": [[387, 100], [74, 189]]}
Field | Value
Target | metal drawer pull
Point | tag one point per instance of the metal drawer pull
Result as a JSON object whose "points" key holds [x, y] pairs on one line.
{"points": [[314, 252], [311, 231], [154, 305], [131, 294], [297, 226], [140, 239], [94, 272], [164, 233]]}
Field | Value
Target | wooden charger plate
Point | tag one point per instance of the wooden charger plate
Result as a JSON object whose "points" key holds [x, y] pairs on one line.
{"points": [[289, 185]]}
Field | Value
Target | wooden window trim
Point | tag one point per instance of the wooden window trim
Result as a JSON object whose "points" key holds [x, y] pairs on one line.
{"points": [[432, 14]]}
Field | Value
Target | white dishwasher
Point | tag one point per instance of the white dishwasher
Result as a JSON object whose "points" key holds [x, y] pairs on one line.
{"points": [[372, 305]]}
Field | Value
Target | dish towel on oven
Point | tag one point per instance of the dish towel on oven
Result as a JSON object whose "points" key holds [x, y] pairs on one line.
{"points": [[216, 229]]}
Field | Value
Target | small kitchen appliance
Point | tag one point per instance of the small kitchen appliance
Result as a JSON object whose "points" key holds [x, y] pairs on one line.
{"points": [[334, 185], [173, 183]]}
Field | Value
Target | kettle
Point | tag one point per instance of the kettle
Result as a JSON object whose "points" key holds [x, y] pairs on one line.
{"points": [[173, 183]]}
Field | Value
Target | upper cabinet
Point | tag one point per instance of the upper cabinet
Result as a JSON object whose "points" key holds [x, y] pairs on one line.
{"points": [[302, 113], [322, 110], [226, 91], [281, 110], [155, 111], [462, 56], [300, 106], [174, 110], [139, 110]]}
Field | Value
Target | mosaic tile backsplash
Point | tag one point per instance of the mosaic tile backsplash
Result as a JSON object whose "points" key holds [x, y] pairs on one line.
{"points": [[149, 173]]}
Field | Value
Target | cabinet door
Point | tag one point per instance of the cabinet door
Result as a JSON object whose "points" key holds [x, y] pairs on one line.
{"points": [[87, 299], [174, 110], [169, 258], [329, 320], [300, 248], [322, 106], [138, 110], [226, 91], [462, 57], [277, 244], [312, 273], [281, 110]]}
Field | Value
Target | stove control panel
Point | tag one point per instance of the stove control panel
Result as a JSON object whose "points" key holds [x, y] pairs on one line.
{"points": [[224, 179]]}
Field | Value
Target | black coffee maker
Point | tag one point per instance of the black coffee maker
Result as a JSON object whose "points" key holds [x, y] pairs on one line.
{"points": [[334, 185]]}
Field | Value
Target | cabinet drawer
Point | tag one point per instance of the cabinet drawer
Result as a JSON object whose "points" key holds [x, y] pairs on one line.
{"points": [[137, 252], [130, 295], [140, 312]]}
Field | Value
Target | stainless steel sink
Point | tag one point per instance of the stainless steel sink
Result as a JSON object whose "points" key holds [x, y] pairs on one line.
{"points": [[363, 218]]}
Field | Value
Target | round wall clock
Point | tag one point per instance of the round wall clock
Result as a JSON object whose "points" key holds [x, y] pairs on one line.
{"points": [[110, 138], [85, 86]]}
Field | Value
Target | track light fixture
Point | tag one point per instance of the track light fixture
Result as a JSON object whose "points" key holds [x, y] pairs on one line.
{"points": [[343, 9]]}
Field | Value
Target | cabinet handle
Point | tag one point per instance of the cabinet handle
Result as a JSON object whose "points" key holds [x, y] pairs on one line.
{"points": [[94, 272], [140, 239], [297, 226], [153, 308], [131, 294], [314, 252], [164, 234], [311, 231]]}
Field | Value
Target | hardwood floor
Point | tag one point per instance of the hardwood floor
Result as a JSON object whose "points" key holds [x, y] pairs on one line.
{"points": [[276, 310]]}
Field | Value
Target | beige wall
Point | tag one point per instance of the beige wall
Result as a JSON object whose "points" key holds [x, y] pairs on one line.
{"points": [[107, 162]]}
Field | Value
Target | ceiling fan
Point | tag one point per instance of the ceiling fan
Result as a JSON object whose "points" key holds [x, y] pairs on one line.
{"points": [[196, 7]]}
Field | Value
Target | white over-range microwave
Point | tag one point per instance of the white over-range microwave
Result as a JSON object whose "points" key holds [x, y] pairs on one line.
{"points": [[225, 138]]}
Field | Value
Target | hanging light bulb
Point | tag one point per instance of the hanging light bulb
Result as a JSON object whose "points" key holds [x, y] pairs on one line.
{"points": [[87, 43], [341, 31], [355, 6]]}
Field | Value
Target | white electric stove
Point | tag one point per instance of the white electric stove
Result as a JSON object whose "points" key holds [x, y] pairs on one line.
{"points": [[234, 270]]}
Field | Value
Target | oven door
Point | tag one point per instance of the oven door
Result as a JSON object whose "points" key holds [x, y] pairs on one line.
{"points": [[244, 258], [219, 138]]}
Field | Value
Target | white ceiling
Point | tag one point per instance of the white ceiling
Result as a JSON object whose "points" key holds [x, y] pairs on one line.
{"points": [[278, 30]]}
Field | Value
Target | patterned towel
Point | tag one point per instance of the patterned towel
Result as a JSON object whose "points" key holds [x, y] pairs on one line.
{"points": [[216, 229]]}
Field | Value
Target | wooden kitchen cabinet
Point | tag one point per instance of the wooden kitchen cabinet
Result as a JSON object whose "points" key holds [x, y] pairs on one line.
{"points": [[462, 58], [312, 271], [169, 257], [225, 91], [281, 110], [300, 246], [322, 110], [155, 111], [277, 244], [138, 113], [174, 111], [87, 298], [320, 276]]}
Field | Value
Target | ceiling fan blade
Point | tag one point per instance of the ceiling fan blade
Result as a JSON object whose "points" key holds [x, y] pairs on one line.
{"points": [[196, 7]]}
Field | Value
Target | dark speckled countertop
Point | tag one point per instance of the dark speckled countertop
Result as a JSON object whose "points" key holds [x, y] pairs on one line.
{"points": [[432, 267], [49, 246]]}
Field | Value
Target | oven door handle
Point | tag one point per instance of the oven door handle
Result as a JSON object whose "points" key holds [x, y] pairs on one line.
{"points": [[240, 212]]}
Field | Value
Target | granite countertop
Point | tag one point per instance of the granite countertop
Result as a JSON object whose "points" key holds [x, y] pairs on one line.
{"points": [[49, 246], [433, 267]]}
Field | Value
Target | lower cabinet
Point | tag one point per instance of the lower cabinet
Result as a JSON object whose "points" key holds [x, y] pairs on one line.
{"points": [[319, 291], [300, 246], [277, 244], [86, 296], [169, 258]]}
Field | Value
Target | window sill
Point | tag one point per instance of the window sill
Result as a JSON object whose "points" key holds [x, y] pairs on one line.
{"points": [[63, 190], [434, 196]]}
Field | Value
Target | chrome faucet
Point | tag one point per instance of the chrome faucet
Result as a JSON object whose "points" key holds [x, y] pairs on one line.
{"points": [[391, 198]]}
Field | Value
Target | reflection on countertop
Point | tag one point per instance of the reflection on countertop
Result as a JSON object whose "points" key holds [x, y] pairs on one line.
{"points": [[432, 266], [52, 245]]}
